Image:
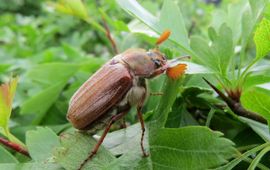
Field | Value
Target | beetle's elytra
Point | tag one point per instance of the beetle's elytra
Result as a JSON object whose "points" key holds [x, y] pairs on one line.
{"points": [[118, 85]]}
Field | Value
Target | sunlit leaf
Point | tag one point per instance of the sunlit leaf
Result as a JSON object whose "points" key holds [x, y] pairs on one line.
{"points": [[261, 38], [72, 7], [257, 100], [7, 93]]}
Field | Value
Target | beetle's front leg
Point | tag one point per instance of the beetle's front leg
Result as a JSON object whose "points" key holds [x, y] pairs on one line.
{"points": [[95, 149], [159, 71], [139, 113]]}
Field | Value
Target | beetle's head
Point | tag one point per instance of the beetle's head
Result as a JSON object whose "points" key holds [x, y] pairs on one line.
{"points": [[146, 64]]}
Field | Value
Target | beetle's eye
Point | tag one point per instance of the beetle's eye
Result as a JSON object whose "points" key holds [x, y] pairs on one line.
{"points": [[157, 63]]}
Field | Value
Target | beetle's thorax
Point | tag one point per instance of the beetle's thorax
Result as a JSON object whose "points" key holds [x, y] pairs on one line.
{"points": [[140, 62], [136, 92]]}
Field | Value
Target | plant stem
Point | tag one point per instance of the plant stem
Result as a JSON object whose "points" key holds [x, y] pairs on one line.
{"points": [[209, 117], [255, 162], [14, 146], [108, 34], [236, 107]]}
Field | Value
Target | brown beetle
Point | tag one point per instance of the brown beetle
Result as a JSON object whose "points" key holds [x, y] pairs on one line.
{"points": [[118, 85]]}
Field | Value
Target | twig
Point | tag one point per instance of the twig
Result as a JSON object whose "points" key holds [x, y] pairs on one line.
{"points": [[236, 107], [14, 146], [108, 34], [191, 28]]}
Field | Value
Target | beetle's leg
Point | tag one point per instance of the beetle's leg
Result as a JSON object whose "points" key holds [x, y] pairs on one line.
{"points": [[123, 124], [95, 149], [158, 71], [139, 113], [156, 93]]}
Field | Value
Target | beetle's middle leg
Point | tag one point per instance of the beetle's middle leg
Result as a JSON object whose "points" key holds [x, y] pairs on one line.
{"points": [[113, 119], [139, 113]]}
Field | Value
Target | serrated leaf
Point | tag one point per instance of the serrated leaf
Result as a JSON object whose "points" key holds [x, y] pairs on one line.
{"points": [[41, 142], [261, 38], [257, 100], [183, 148], [190, 148], [75, 148], [218, 55]]}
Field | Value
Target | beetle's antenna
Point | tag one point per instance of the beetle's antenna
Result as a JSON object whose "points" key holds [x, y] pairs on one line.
{"points": [[163, 37], [176, 61]]}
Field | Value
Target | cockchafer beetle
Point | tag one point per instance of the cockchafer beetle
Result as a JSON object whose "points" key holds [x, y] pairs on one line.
{"points": [[109, 94]]}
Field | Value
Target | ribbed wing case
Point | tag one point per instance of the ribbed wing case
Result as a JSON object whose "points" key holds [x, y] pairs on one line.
{"points": [[99, 94]]}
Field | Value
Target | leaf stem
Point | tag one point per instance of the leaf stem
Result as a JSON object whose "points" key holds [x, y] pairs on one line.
{"points": [[235, 106], [237, 160], [209, 117], [255, 162], [14, 146]]}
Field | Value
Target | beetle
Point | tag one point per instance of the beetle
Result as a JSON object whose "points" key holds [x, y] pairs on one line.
{"points": [[119, 84]]}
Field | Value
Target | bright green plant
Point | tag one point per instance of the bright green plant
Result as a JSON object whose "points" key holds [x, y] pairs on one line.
{"points": [[187, 127]]}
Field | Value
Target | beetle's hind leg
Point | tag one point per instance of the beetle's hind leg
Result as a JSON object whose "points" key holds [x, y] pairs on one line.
{"points": [[123, 124], [113, 119]]}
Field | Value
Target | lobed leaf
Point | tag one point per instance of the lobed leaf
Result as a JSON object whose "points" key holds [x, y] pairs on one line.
{"points": [[41, 142]]}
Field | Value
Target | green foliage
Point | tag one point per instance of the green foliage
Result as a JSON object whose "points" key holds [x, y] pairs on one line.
{"points": [[41, 142], [261, 38], [257, 100], [53, 47]]}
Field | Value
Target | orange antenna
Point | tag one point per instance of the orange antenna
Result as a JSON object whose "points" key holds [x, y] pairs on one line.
{"points": [[163, 37]]}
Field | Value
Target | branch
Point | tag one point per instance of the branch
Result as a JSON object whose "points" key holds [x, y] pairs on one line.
{"points": [[236, 107], [191, 28], [14, 146], [108, 34]]}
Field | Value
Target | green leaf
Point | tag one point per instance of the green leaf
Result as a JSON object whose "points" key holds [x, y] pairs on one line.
{"points": [[190, 148], [41, 102], [256, 161], [179, 33], [119, 142], [257, 100], [169, 10], [261, 129], [6, 157], [7, 93], [75, 148], [261, 38], [243, 156], [212, 150], [41, 143], [72, 7], [217, 56], [254, 80], [43, 73], [32, 166], [170, 90]]}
